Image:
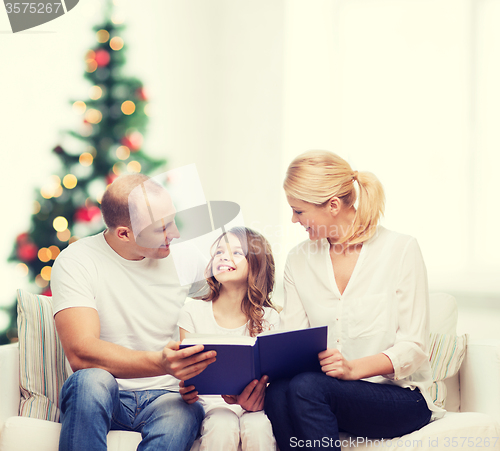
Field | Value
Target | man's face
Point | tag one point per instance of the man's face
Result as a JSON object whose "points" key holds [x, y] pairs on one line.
{"points": [[155, 224]]}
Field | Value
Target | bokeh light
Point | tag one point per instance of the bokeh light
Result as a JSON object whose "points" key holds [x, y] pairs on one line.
{"points": [[91, 65], [22, 269], [116, 43], [93, 116], [52, 188], [54, 250], [44, 254], [134, 166], [95, 92], [45, 272], [69, 181], [58, 191], [64, 236], [102, 36], [117, 18], [123, 152], [36, 207], [40, 281], [79, 107], [86, 159], [60, 223], [128, 107]]}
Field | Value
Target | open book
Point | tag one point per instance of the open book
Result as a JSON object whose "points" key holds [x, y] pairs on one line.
{"points": [[240, 360]]}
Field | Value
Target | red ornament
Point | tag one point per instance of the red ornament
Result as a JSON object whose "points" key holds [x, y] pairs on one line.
{"points": [[84, 214], [47, 292], [27, 252], [110, 178], [133, 141], [141, 93], [59, 150], [102, 58], [22, 238], [126, 142]]}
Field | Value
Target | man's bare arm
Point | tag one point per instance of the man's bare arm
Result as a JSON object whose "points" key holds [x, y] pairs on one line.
{"points": [[79, 330]]}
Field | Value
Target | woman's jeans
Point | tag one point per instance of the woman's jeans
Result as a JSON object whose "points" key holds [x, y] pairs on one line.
{"points": [[92, 405], [314, 406]]}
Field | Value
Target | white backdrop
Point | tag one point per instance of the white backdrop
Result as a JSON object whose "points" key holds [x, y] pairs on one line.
{"points": [[405, 89]]}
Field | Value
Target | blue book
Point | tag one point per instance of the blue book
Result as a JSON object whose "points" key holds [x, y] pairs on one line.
{"points": [[240, 360]]}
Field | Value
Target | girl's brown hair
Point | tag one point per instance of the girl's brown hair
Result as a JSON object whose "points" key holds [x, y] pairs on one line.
{"points": [[260, 280], [318, 175]]}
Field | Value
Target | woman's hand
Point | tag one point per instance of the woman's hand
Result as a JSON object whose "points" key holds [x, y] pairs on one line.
{"points": [[334, 364], [189, 394], [252, 397]]}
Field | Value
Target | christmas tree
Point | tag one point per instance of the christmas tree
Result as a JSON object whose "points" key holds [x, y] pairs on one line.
{"points": [[108, 143]]}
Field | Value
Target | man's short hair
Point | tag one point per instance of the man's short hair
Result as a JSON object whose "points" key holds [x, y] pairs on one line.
{"points": [[115, 201]]}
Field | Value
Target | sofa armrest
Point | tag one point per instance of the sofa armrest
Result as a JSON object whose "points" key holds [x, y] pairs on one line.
{"points": [[480, 378], [9, 382]]}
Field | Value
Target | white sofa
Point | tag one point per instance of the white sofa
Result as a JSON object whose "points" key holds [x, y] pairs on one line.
{"points": [[475, 392]]}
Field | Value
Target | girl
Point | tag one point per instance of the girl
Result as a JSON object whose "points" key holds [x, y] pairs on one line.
{"points": [[369, 285], [240, 276]]}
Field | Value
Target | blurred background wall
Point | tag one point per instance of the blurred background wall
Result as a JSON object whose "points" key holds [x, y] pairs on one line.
{"points": [[405, 89]]}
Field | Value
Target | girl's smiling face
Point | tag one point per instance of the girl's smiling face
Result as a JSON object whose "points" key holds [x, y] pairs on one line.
{"points": [[229, 263]]}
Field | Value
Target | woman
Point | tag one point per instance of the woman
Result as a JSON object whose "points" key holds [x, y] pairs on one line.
{"points": [[369, 285]]}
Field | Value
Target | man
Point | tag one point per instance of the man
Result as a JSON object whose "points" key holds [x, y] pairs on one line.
{"points": [[116, 302]]}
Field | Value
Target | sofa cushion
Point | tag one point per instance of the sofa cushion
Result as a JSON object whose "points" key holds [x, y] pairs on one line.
{"points": [[23, 434], [446, 354], [42, 364], [460, 431]]}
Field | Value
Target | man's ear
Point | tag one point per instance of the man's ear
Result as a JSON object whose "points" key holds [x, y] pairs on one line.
{"points": [[334, 205], [123, 233]]}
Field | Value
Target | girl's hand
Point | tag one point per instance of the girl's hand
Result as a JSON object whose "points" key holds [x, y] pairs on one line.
{"points": [[334, 364], [252, 397], [188, 394]]}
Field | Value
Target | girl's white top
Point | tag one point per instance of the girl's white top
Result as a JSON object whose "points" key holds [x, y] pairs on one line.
{"points": [[384, 308], [198, 317]]}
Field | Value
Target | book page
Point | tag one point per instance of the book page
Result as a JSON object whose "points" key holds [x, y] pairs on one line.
{"points": [[208, 339], [278, 331]]}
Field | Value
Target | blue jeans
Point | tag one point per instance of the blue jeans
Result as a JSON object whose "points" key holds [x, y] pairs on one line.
{"points": [[92, 405], [314, 406]]}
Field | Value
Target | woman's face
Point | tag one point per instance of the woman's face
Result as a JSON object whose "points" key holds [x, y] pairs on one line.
{"points": [[230, 264], [317, 220]]}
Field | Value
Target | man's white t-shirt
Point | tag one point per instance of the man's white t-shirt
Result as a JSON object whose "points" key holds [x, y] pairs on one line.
{"points": [[138, 302]]}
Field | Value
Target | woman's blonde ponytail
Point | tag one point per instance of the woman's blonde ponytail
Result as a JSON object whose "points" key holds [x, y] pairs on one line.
{"points": [[371, 204], [317, 175]]}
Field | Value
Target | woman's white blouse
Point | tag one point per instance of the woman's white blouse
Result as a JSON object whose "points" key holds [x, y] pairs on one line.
{"points": [[384, 308]]}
